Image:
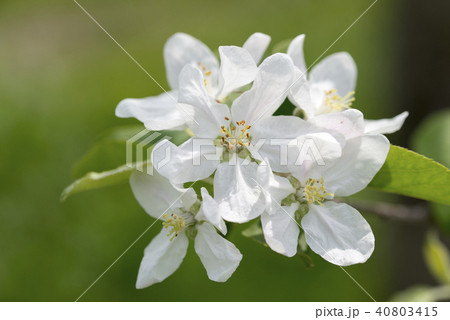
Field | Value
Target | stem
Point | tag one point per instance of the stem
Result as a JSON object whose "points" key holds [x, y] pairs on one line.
{"points": [[400, 212]]}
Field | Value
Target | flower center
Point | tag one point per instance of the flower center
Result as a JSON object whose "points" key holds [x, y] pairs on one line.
{"points": [[177, 222], [314, 192], [206, 72], [336, 102], [235, 137]]}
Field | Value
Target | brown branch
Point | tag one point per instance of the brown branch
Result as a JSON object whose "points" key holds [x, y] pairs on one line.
{"points": [[400, 212]]}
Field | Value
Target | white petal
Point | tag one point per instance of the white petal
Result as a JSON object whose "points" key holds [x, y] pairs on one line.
{"points": [[349, 123], [202, 113], [295, 51], [270, 88], [182, 49], [188, 198], [237, 68], [237, 191], [300, 94], [280, 127], [361, 159], [274, 187], [257, 44], [282, 147], [281, 230], [195, 159], [310, 151], [385, 126], [338, 233], [154, 193], [219, 256], [336, 71], [162, 257], [156, 113], [210, 211]]}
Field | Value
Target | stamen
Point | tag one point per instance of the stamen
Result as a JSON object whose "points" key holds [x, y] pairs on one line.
{"points": [[336, 102], [206, 72], [235, 137], [314, 192], [177, 223]]}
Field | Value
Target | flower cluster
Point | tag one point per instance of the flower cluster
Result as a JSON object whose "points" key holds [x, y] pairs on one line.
{"points": [[286, 171]]}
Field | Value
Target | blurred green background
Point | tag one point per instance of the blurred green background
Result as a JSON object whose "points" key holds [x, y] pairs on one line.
{"points": [[61, 78]]}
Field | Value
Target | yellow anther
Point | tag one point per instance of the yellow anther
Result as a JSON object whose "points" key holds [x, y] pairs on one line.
{"points": [[314, 192], [235, 136], [177, 223], [336, 102], [207, 73]]}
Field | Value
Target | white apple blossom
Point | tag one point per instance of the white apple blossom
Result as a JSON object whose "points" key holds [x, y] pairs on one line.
{"points": [[336, 231], [329, 88], [183, 216], [238, 68], [227, 133]]}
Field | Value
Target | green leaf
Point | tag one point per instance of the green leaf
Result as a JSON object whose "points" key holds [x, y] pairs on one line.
{"points": [[96, 180], [441, 216], [432, 138], [415, 294], [411, 174], [104, 164], [437, 258], [109, 151], [254, 232]]}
